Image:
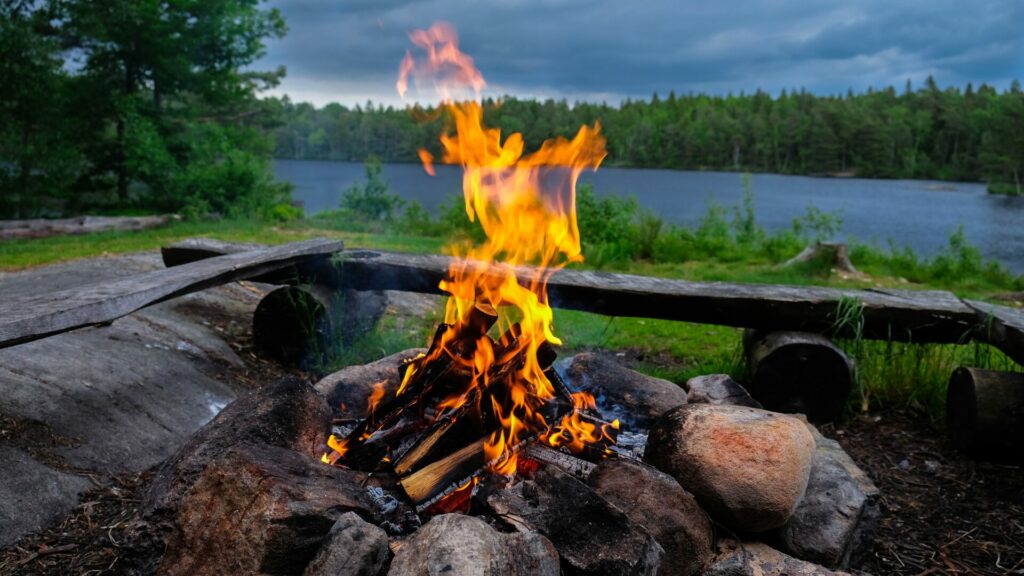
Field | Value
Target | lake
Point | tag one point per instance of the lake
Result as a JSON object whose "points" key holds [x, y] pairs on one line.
{"points": [[916, 213]]}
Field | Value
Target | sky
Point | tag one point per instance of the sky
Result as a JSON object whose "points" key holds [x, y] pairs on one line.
{"points": [[348, 51]]}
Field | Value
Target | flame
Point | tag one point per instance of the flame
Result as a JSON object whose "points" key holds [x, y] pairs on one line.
{"points": [[575, 433], [338, 449], [526, 205], [375, 397]]}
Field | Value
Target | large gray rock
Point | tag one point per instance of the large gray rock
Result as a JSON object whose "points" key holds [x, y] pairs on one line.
{"points": [[747, 467], [348, 390], [457, 545], [32, 494], [641, 397], [656, 502], [718, 389], [354, 547], [125, 396], [838, 513], [758, 559], [592, 536]]}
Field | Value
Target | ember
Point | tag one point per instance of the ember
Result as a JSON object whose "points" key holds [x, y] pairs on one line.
{"points": [[486, 387]]}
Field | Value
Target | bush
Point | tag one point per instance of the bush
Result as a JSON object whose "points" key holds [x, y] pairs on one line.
{"points": [[372, 200]]}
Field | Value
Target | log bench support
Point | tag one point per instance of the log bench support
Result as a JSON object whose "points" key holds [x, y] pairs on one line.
{"points": [[985, 413]]}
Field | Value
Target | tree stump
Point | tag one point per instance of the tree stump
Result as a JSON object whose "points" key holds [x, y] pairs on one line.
{"points": [[799, 372], [837, 254], [985, 413]]}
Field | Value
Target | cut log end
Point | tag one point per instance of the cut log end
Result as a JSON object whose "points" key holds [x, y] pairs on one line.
{"points": [[985, 413], [293, 324], [799, 372]]}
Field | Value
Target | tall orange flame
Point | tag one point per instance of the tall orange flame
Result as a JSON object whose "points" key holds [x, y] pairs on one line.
{"points": [[526, 205]]}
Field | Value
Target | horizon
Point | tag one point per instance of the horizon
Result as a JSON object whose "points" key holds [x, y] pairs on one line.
{"points": [[349, 52]]}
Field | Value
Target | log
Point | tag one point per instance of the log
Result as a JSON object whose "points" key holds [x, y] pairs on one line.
{"points": [[42, 227], [1002, 327], [433, 481], [901, 315], [837, 253], [32, 317], [296, 325], [985, 413], [798, 372]]}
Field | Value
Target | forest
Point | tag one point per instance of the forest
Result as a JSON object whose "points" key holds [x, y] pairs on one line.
{"points": [[973, 134]]}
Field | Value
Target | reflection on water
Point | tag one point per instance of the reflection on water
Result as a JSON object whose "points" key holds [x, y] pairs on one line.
{"points": [[916, 213]]}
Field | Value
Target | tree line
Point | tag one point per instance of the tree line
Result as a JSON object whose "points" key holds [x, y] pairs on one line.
{"points": [[121, 105], [974, 134]]}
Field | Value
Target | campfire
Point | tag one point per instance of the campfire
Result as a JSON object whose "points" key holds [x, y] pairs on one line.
{"points": [[486, 388]]}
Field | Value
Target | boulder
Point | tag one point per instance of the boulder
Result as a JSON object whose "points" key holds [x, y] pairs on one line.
{"points": [[718, 389], [348, 390], [457, 545], [592, 536], [353, 547], [641, 397], [755, 558], [259, 509], [656, 502], [838, 513], [747, 467]]}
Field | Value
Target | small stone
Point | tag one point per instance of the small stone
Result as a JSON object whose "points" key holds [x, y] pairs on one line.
{"points": [[718, 389], [747, 467], [354, 547], [904, 464], [592, 536], [641, 397], [348, 390], [756, 558], [457, 545], [656, 502]]}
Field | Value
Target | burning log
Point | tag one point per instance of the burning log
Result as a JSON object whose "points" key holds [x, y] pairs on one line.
{"points": [[799, 372], [985, 412]]}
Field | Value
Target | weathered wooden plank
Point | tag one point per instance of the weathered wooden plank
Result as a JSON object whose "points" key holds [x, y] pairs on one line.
{"points": [[322, 271], [904, 315], [36, 316], [1002, 327], [42, 227]]}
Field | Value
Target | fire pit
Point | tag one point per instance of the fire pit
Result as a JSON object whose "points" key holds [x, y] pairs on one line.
{"points": [[483, 455]]}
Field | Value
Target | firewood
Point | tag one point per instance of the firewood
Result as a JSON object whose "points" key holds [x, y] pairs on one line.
{"points": [[985, 413], [799, 372], [448, 473], [565, 462]]}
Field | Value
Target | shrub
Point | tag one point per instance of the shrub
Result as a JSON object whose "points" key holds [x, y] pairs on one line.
{"points": [[372, 200]]}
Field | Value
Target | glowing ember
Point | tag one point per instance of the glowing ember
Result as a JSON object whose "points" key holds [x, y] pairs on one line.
{"points": [[525, 204]]}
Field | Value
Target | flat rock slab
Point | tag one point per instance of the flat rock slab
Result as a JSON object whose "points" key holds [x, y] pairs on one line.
{"points": [[125, 396], [32, 494]]}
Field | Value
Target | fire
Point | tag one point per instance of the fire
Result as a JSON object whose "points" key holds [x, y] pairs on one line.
{"points": [[526, 205], [338, 449]]}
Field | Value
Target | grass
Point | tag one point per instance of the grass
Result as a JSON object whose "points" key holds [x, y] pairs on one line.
{"points": [[889, 373]]}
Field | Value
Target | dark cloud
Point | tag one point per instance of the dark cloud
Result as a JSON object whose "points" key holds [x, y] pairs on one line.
{"points": [[348, 50]]}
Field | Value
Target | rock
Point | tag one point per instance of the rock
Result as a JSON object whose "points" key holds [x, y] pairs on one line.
{"points": [[641, 397], [718, 389], [457, 545], [259, 509], [32, 494], [348, 390], [838, 513], [656, 502], [747, 467], [758, 559], [285, 414], [591, 535], [352, 548]]}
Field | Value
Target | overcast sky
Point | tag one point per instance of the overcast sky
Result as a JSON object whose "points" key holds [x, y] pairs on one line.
{"points": [[605, 50]]}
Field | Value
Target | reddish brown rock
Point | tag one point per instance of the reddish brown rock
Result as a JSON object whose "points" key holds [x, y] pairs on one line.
{"points": [[747, 467], [259, 509], [457, 545], [656, 502]]}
